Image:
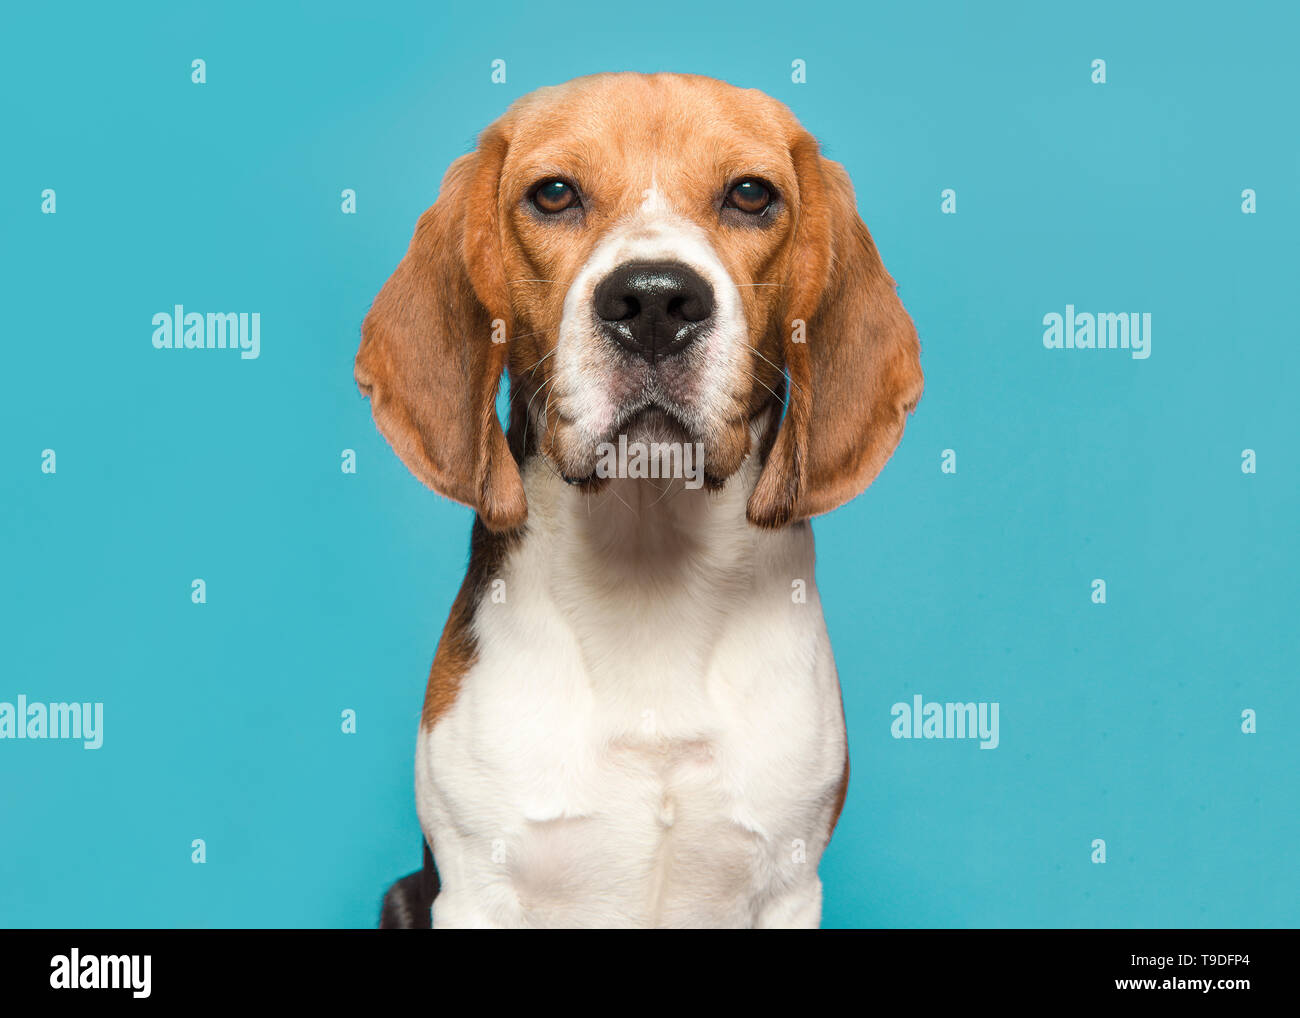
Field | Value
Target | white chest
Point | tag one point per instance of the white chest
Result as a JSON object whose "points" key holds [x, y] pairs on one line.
{"points": [[665, 750]]}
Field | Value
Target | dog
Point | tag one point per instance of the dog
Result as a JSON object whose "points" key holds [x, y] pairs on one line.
{"points": [[633, 717]]}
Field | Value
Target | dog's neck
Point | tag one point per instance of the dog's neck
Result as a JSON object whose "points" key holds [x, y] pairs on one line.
{"points": [[646, 526], [650, 526], [651, 577]]}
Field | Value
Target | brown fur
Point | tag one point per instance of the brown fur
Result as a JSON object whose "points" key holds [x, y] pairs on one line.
{"points": [[431, 369], [458, 648], [857, 375], [428, 362]]}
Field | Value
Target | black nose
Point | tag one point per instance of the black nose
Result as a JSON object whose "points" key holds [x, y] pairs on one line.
{"points": [[654, 309]]}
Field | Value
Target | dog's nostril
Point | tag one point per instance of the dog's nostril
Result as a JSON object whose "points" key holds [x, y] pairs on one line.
{"points": [[631, 308], [688, 309]]}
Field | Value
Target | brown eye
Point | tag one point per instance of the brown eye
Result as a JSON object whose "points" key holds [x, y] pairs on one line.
{"points": [[552, 196], [750, 196]]}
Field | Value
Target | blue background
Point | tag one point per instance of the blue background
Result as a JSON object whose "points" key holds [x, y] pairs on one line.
{"points": [[328, 591]]}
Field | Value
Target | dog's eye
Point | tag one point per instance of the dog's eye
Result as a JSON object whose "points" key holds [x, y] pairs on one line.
{"points": [[750, 196], [552, 196]]}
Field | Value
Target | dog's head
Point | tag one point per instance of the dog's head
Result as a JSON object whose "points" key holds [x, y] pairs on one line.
{"points": [[645, 254]]}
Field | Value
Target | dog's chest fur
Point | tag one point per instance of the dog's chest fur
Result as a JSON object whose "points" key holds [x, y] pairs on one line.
{"points": [[651, 733]]}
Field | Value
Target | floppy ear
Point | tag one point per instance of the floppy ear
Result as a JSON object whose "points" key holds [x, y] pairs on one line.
{"points": [[855, 369], [428, 360]]}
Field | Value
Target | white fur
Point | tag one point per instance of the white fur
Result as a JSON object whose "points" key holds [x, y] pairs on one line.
{"points": [[652, 734], [596, 382]]}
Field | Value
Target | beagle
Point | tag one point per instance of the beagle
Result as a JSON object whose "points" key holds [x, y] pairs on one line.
{"points": [[633, 716]]}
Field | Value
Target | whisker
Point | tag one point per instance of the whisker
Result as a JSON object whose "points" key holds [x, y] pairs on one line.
{"points": [[778, 367], [663, 494], [526, 335], [614, 491], [548, 382], [759, 354], [528, 417], [539, 363], [754, 378], [546, 410], [554, 473]]}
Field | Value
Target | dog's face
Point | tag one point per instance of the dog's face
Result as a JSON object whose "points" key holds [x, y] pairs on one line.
{"points": [[646, 255], [647, 223]]}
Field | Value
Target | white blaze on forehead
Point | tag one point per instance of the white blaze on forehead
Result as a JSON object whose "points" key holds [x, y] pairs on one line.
{"points": [[652, 200]]}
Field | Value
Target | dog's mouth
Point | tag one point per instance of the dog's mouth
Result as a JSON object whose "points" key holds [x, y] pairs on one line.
{"points": [[650, 431], [654, 422]]}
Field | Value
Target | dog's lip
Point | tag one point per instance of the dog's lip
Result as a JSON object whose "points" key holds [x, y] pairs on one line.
{"points": [[711, 481], [655, 411]]}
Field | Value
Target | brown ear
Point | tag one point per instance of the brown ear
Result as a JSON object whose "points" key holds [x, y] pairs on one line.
{"points": [[855, 375], [428, 360]]}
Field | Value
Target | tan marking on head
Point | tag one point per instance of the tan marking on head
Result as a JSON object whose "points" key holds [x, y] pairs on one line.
{"points": [[643, 150]]}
